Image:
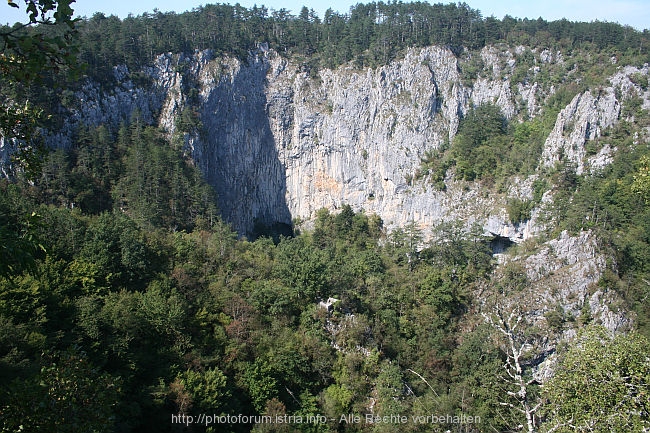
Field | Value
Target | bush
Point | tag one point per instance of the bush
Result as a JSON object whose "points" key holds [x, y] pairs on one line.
{"points": [[519, 210]]}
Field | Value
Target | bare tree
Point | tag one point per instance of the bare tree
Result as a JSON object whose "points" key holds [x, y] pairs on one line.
{"points": [[517, 345]]}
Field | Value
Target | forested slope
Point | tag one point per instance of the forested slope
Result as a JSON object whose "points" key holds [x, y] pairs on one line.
{"points": [[127, 303]]}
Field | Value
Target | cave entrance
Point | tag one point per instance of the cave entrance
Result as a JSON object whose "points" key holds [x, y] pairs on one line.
{"points": [[500, 244]]}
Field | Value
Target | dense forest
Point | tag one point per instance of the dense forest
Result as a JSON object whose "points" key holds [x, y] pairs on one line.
{"points": [[370, 34], [128, 305], [138, 303]]}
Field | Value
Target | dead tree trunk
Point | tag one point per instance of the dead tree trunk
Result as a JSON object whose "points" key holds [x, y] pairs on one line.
{"points": [[516, 346]]}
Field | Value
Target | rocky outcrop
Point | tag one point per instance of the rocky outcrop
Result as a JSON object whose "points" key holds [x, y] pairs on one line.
{"points": [[554, 286], [96, 105], [582, 120], [565, 271], [586, 117]]}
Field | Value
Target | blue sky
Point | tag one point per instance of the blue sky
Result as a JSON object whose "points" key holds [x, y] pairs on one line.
{"points": [[635, 13]]}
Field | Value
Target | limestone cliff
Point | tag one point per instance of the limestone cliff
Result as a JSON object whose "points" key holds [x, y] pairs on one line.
{"points": [[278, 142]]}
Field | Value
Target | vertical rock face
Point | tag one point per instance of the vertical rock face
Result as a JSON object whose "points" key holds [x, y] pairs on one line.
{"points": [[278, 143], [237, 149], [357, 136], [586, 117]]}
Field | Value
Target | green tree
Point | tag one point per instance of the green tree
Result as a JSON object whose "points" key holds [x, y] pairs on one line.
{"points": [[601, 385], [390, 390], [479, 145], [68, 395], [303, 268], [519, 210], [26, 55], [20, 245], [261, 383], [118, 249], [159, 187], [208, 389], [477, 365], [641, 184]]}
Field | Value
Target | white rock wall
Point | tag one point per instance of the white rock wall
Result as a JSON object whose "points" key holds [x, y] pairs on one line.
{"points": [[278, 145]]}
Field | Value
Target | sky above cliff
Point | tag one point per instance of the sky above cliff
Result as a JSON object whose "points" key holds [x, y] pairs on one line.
{"points": [[635, 13]]}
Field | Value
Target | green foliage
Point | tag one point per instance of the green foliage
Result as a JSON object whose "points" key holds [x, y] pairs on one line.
{"points": [[479, 142], [612, 204], [519, 210], [487, 148], [19, 240], [389, 390], [525, 63], [68, 395], [158, 186], [303, 267], [478, 367], [338, 399], [641, 184], [188, 121], [368, 35], [31, 50], [527, 141], [261, 383], [472, 68], [139, 174], [640, 80], [27, 54], [601, 385], [555, 319], [198, 320], [454, 248], [208, 390], [435, 164], [118, 250]]}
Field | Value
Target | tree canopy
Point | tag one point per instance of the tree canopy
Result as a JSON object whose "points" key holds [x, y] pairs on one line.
{"points": [[371, 34]]}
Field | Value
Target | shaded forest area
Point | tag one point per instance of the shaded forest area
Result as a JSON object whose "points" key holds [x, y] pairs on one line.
{"points": [[123, 310]]}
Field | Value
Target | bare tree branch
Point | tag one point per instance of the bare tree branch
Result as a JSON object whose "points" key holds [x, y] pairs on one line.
{"points": [[516, 345]]}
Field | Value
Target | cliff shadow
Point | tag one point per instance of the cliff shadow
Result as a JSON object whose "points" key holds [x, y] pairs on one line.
{"points": [[239, 155]]}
